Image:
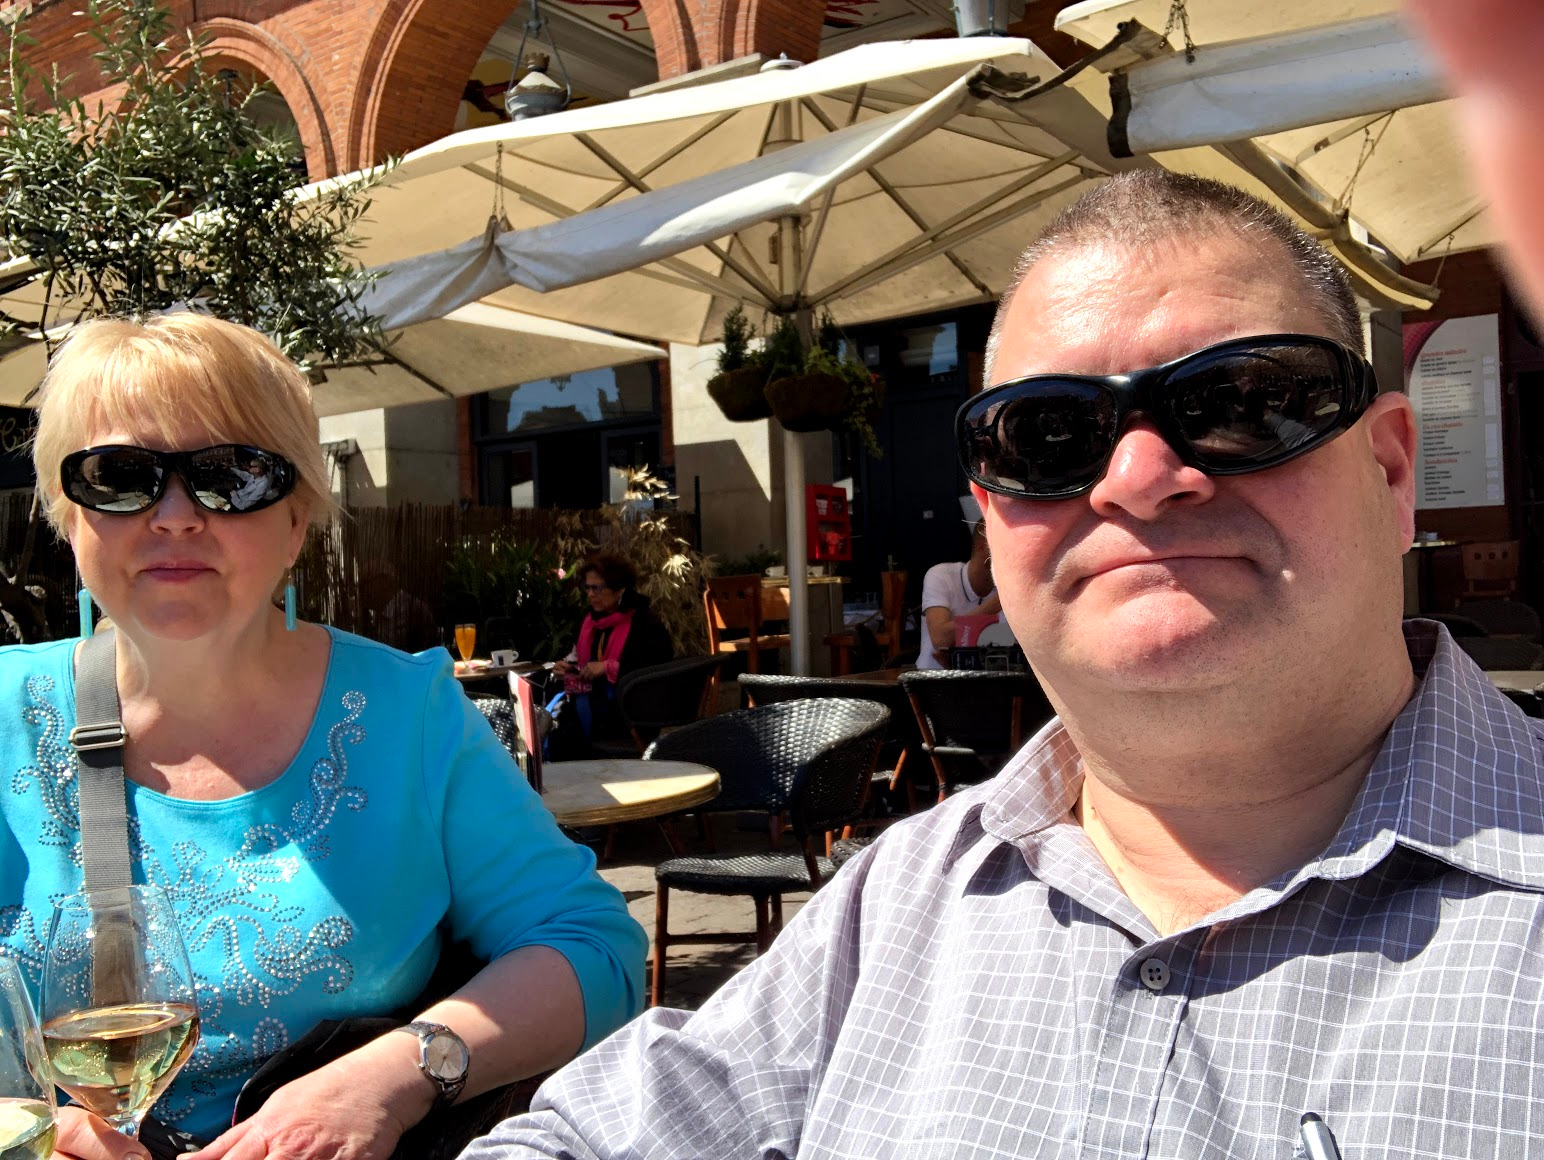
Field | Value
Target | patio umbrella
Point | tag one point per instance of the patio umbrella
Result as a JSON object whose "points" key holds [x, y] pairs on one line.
{"points": [[888, 180], [1335, 106], [474, 348]]}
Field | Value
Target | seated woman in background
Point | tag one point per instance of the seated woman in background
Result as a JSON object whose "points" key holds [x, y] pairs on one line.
{"points": [[324, 812], [618, 635]]}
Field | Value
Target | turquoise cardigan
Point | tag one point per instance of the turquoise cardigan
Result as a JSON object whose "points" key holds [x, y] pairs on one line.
{"points": [[329, 891]]}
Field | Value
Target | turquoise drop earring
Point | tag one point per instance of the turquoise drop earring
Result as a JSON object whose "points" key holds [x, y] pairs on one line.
{"points": [[289, 603], [83, 601]]}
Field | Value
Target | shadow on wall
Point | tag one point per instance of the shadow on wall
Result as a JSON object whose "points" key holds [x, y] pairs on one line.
{"points": [[736, 511]]}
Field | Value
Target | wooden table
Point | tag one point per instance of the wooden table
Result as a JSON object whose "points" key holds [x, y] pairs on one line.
{"points": [[608, 790], [484, 672], [1518, 680]]}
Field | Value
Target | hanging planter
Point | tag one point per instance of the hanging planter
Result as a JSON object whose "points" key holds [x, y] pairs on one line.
{"points": [[809, 402], [742, 374], [740, 395]]}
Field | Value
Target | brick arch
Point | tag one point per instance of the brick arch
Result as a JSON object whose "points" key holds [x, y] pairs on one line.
{"points": [[414, 66], [693, 34], [239, 44]]}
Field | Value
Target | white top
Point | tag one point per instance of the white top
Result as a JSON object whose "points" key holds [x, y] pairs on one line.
{"points": [[946, 586]]}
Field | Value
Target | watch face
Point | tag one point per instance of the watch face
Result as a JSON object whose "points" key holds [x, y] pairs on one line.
{"points": [[445, 1056]]}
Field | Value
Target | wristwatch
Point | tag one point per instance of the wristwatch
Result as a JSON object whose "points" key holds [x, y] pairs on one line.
{"points": [[443, 1057]]}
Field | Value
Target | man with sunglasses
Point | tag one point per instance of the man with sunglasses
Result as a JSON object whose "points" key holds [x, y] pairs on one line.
{"points": [[1278, 855]]}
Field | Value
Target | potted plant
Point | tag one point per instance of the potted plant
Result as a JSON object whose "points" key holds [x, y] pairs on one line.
{"points": [[819, 389], [742, 374]]}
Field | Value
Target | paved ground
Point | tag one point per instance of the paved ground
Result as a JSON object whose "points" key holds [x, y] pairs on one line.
{"points": [[694, 972]]}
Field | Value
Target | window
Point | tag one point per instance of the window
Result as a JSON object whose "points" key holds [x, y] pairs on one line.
{"points": [[596, 396]]}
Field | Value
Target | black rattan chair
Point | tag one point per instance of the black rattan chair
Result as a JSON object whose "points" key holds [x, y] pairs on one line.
{"points": [[812, 758], [1503, 617], [902, 758], [1502, 652], [1528, 702], [972, 722], [661, 697], [501, 715]]}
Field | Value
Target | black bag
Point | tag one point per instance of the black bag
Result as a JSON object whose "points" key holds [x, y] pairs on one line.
{"points": [[98, 739]]}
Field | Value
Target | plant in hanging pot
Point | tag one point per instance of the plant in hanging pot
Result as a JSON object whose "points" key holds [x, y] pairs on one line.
{"points": [[742, 373], [828, 392], [804, 397]]}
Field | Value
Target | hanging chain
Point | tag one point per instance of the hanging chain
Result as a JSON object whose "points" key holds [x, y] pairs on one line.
{"points": [[1180, 15], [1437, 277], [1369, 147], [498, 182]]}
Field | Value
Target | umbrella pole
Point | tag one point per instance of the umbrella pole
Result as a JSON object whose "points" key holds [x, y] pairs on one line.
{"points": [[797, 558], [789, 266]]}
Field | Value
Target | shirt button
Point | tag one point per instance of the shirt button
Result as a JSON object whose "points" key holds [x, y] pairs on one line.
{"points": [[1154, 974]]}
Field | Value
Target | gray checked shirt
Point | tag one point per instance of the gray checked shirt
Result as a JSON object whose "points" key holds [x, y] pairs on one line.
{"points": [[976, 985]]}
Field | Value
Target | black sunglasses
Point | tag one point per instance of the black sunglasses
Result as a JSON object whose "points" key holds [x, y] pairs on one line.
{"points": [[231, 479], [1229, 409]]}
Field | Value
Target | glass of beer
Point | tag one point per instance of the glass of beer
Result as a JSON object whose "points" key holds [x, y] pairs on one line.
{"points": [[466, 640], [119, 1014], [26, 1087]]}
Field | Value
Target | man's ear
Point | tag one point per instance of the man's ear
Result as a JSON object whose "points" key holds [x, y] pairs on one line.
{"points": [[1392, 435]]}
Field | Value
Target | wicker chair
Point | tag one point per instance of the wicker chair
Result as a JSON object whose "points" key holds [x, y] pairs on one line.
{"points": [[972, 722], [1503, 617], [1502, 652], [501, 715], [661, 697], [901, 759], [812, 758]]}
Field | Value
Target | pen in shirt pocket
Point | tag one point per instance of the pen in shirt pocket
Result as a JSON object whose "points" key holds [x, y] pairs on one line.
{"points": [[1318, 1140]]}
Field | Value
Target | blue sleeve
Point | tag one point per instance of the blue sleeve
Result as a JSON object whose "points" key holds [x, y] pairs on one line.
{"points": [[515, 880]]}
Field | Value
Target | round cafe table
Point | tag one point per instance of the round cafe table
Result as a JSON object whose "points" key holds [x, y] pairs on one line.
{"points": [[605, 791]]}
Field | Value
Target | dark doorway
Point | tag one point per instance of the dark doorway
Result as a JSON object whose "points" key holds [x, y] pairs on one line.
{"points": [[906, 509]]}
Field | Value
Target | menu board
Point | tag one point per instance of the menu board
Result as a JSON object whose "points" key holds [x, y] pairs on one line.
{"points": [[1453, 375]]}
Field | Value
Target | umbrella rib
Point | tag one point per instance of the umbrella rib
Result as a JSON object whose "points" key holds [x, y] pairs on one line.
{"points": [[963, 215], [391, 360], [1350, 129], [878, 271], [700, 279], [901, 203], [669, 155], [1448, 231], [753, 274]]}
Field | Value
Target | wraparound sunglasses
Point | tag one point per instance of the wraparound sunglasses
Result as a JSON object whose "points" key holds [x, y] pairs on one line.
{"points": [[1239, 406], [230, 479]]}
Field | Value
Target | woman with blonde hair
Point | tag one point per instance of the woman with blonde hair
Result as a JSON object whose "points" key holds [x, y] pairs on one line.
{"points": [[323, 811]]}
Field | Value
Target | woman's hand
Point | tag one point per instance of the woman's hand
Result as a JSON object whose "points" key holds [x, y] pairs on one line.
{"points": [[355, 1108], [83, 1136], [594, 671], [562, 668]]}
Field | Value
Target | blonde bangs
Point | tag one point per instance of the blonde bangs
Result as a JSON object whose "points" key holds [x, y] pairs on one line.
{"points": [[169, 373]]}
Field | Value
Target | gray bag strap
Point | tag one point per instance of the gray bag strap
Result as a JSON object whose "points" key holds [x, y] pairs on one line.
{"points": [[98, 740]]}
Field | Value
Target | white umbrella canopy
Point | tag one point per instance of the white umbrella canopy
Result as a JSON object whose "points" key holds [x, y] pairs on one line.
{"points": [[914, 191], [1404, 178], [475, 348]]}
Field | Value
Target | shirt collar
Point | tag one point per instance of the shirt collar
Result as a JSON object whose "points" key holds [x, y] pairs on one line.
{"points": [[1460, 776]]}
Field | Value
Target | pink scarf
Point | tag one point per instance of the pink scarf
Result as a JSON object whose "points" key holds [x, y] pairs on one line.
{"points": [[613, 628]]}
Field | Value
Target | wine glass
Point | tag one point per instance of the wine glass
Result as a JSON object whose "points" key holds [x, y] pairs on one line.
{"points": [[466, 640], [26, 1087], [119, 1014]]}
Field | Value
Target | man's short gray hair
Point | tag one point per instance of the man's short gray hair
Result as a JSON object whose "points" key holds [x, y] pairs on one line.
{"points": [[1141, 207]]}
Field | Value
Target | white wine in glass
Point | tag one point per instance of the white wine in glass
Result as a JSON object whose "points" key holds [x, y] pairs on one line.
{"points": [[26, 1088], [119, 1016]]}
